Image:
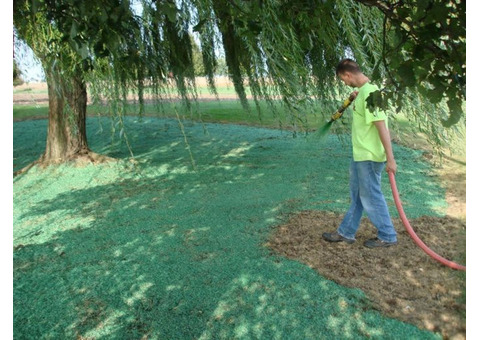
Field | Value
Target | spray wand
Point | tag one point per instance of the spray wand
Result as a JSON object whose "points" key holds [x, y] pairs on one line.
{"points": [[324, 129], [344, 106]]}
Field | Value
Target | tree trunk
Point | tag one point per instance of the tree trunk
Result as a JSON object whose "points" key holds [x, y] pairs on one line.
{"points": [[67, 133]]}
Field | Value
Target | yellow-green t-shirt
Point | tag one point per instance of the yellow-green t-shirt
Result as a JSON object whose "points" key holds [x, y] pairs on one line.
{"points": [[366, 142]]}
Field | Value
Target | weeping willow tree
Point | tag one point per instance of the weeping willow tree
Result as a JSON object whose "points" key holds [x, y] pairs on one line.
{"points": [[285, 51]]}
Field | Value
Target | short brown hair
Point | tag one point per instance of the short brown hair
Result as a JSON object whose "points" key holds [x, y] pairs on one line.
{"points": [[348, 65]]}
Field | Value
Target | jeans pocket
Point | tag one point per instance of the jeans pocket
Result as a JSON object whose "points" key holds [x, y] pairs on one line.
{"points": [[377, 168]]}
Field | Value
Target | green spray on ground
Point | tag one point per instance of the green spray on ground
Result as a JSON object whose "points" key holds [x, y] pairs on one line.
{"points": [[161, 251], [322, 132]]}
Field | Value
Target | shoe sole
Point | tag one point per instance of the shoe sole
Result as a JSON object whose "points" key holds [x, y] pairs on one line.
{"points": [[343, 239], [383, 245]]}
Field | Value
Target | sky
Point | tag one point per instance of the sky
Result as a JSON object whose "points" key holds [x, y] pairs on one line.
{"points": [[28, 64]]}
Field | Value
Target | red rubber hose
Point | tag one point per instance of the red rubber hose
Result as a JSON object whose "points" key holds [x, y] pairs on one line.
{"points": [[411, 232]]}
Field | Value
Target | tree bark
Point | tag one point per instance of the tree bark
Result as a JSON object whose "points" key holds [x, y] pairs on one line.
{"points": [[67, 133]]}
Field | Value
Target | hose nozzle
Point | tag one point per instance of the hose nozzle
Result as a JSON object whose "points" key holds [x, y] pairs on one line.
{"points": [[345, 104]]}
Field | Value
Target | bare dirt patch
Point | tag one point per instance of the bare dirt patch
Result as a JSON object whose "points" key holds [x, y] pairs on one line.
{"points": [[30, 94], [402, 281]]}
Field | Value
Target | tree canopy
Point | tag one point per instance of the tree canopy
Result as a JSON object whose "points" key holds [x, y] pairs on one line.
{"points": [[426, 50], [285, 49]]}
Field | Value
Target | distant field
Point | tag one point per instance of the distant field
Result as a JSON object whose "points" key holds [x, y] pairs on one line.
{"points": [[34, 93], [31, 102]]}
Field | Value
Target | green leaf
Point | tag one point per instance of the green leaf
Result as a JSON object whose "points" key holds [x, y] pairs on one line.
{"points": [[170, 10], [376, 72], [407, 76], [254, 27], [377, 100], [456, 112], [73, 30], [199, 26], [103, 15], [83, 51], [437, 93]]}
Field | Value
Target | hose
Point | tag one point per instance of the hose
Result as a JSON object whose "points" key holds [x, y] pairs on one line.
{"points": [[412, 233]]}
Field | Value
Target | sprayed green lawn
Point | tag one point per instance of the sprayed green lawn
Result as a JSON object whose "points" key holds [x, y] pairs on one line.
{"points": [[162, 251]]}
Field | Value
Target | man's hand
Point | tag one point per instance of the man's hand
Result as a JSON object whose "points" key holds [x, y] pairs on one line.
{"points": [[391, 166]]}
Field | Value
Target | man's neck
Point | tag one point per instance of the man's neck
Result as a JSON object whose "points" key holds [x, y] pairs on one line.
{"points": [[362, 80]]}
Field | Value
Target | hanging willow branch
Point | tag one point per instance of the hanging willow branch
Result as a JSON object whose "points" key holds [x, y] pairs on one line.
{"points": [[281, 51]]}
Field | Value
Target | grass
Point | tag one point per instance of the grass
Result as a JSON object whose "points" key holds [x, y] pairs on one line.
{"points": [[22, 112], [223, 111]]}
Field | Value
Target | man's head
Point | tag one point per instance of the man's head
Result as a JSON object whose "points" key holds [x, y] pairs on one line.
{"points": [[349, 72]]}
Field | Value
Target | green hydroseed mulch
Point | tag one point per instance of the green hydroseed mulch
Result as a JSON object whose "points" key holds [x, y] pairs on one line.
{"points": [[162, 251]]}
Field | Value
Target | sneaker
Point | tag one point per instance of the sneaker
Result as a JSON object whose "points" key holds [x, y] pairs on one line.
{"points": [[336, 237], [377, 243]]}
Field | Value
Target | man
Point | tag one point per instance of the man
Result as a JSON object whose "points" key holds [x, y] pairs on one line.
{"points": [[372, 153]]}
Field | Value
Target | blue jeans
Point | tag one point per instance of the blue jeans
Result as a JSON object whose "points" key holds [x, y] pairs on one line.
{"points": [[366, 194]]}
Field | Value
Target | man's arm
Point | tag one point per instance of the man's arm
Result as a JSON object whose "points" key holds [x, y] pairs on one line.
{"points": [[387, 144]]}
